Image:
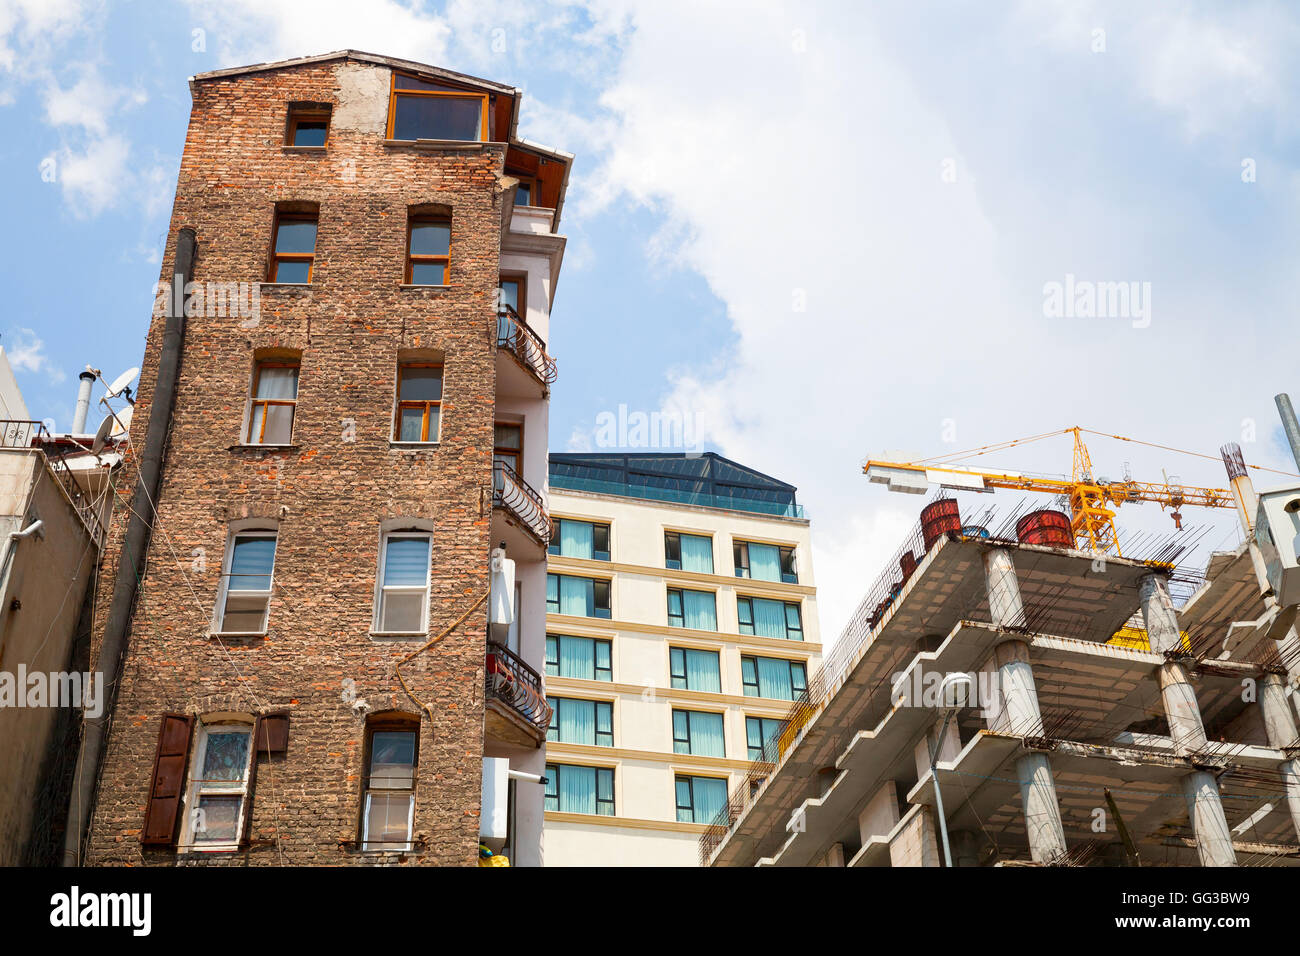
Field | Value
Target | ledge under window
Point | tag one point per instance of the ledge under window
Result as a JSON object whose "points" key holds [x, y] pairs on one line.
{"points": [[458, 144], [303, 149], [399, 635], [262, 447], [231, 635], [287, 286], [407, 285], [412, 445]]}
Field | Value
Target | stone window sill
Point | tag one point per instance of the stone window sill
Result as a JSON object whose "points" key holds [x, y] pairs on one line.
{"points": [[399, 635]]}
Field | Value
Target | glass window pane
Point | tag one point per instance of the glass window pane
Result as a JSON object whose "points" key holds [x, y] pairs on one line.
{"points": [[411, 427], [392, 759], [406, 562], [292, 271], [420, 384], [251, 563], [225, 757], [218, 819], [277, 382], [510, 292], [296, 236], [430, 239], [310, 132], [524, 194], [387, 820], [279, 425], [428, 273], [438, 117], [508, 436], [244, 615], [402, 611]]}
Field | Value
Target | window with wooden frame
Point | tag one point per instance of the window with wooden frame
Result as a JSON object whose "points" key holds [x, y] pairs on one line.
{"points": [[308, 126], [273, 402], [293, 248], [511, 291], [388, 788], [246, 584], [419, 402], [402, 605], [526, 191], [217, 802], [424, 109], [508, 445], [428, 250]]}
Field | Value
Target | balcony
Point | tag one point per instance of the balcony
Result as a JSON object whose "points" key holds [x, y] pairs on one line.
{"points": [[516, 708], [526, 350], [21, 434], [521, 504]]}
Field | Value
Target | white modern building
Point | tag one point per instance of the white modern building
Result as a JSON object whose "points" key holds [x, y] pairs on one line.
{"points": [[681, 625]]}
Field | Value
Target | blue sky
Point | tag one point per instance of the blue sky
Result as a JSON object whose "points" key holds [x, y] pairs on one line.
{"points": [[822, 229]]}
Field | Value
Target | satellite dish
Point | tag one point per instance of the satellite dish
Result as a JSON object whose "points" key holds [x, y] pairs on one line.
{"points": [[101, 435], [121, 382], [122, 421]]}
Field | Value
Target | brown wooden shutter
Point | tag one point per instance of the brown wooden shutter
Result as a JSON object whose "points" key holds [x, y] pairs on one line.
{"points": [[168, 784], [273, 733]]}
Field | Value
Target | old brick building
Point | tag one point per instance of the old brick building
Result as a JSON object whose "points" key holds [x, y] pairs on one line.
{"points": [[343, 453]]}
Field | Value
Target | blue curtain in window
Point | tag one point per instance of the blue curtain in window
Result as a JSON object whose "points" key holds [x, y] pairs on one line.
{"points": [[774, 679], [578, 657], [577, 721], [702, 671], [577, 539], [764, 562], [700, 610], [710, 797], [578, 596], [577, 789], [769, 617], [706, 735], [697, 553]]}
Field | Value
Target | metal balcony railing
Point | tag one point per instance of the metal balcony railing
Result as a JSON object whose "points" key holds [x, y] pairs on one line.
{"points": [[20, 433], [522, 500], [515, 336], [511, 681]]}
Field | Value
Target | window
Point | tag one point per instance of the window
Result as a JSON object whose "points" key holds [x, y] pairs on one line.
{"points": [[691, 669], [247, 583], [767, 618], [764, 562], [308, 126], [218, 798], [508, 445], [526, 191], [511, 298], [772, 677], [761, 735], [419, 402], [581, 539], [403, 583], [698, 733], [587, 658], [575, 721], [582, 597], [389, 787], [294, 249], [273, 403], [571, 789], [428, 250], [700, 799], [423, 109], [693, 609], [688, 552]]}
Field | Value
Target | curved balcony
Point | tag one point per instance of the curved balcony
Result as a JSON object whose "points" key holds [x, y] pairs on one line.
{"points": [[525, 346], [517, 712], [521, 502]]}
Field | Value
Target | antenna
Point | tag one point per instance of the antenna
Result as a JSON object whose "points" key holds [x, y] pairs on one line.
{"points": [[123, 420], [101, 434]]}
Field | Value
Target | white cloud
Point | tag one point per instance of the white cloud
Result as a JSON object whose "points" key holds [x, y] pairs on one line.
{"points": [[26, 352], [89, 103], [94, 178]]}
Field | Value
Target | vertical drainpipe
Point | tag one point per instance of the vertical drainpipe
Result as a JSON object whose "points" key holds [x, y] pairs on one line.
{"points": [[1020, 714], [1200, 788], [130, 563]]}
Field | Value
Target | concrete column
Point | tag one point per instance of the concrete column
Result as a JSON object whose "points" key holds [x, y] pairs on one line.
{"points": [[1158, 614], [1020, 715], [1182, 711], [1005, 606], [1281, 729], [1205, 810]]}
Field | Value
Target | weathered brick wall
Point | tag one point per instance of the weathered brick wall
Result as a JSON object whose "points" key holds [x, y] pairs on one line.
{"points": [[329, 495]]}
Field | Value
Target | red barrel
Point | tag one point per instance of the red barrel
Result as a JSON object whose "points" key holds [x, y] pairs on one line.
{"points": [[938, 518], [908, 563], [1048, 527]]}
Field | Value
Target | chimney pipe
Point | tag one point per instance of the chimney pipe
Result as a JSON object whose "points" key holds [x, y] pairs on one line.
{"points": [[1289, 424], [83, 402], [1243, 489]]}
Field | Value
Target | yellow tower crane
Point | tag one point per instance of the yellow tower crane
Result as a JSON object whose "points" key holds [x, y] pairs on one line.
{"points": [[1092, 502]]}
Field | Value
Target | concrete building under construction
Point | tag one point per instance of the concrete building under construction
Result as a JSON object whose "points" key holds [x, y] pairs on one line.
{"points": [[1005, 697]]}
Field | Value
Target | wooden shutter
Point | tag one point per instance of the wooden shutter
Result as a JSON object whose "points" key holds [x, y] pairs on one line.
{"points": [[273, 733], [168, 784]]}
